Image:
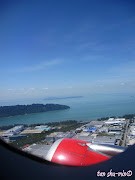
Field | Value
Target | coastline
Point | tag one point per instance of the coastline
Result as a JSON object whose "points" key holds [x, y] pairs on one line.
{"points": [[80, 111], [29, 114], [15, 110], [79, 121]]}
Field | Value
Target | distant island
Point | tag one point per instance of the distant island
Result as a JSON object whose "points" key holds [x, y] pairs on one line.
{"points": [[57, 98], [6, 111]]}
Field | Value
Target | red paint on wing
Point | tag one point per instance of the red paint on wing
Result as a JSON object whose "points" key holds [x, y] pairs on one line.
{"points": [[75, 153], [67, 158], [73, 145], [93, 158]]}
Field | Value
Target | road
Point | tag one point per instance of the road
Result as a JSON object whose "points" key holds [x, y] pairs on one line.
{"points": [[125, 134]]}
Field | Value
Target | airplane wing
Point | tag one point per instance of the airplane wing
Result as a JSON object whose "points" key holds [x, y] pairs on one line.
{"points": [[74, 152]]}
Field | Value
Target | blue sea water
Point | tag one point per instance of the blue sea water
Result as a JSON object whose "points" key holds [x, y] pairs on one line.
{"points": [[85, 108]]}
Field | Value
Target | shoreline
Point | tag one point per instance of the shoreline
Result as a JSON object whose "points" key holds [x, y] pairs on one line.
{"points": [[18, 110], [31, 114], [53, 122]]}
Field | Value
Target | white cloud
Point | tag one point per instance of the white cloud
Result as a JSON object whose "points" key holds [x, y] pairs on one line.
{"points": [[45, 88], [10, 89], [92, 46], [40, 66], [69, 87], [101, 85], [22, 89], [122, 84], [32, 89]]}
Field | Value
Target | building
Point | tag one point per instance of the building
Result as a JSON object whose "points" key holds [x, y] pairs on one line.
{"points": [[131, 142], [90, 129], [115, 121], [46, 128], [87, 128], [1, 133], [16, 137], [58, 135], [120, 119], [133, 132], [83, 133], [78, 130], [104, 140], [103, 130], [50, 139], [13, 131], [98, 126], [84, 138], [114, 133], [93, 129], [97, 123], [32, 131], [115, 129], [38, 150]]}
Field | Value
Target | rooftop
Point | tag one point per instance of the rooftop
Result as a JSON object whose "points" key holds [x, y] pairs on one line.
{"points": [[28, 131], [38, 150], [105, 140]]}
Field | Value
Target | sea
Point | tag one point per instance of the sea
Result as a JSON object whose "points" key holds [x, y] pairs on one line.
{"points": [[82, 108]]}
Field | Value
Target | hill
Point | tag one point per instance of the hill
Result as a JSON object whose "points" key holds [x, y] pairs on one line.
{"points": [[6, 111]]}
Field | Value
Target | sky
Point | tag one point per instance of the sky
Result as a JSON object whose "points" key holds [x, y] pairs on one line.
{"points": [[66, 47]]}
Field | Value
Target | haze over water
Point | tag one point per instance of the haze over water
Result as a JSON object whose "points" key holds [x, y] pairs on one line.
{"points": [[85, 108]]}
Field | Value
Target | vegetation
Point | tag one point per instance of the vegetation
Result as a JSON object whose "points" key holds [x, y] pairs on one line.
{"points": [[131, 121], [34, 138], [30, 139], [67, 126], [126, 116], [4, 128], [103, 118], [129, 116], [68, 122], [120, 144], [6, 111], [122, 138], [62, 123], [64, 126]]}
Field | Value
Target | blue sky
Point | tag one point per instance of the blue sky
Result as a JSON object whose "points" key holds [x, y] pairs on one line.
{"points": [[67, 47]]}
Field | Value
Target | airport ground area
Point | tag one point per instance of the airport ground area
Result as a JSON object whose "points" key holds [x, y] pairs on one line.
{"points": [[38, 138]]}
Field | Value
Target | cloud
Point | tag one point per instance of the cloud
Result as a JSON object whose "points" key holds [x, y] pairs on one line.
{"points": [[23, 91], [32, 89], [45, 88], [92, 46], [125, 69], [122, 84], [101, 85], [69, 87], [40, 66], [94, 57], [10, 89]]}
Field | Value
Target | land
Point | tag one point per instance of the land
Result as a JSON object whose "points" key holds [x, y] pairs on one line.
{"points": [[7, 111], [36, 137], [33, 136], [59, 98]]}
